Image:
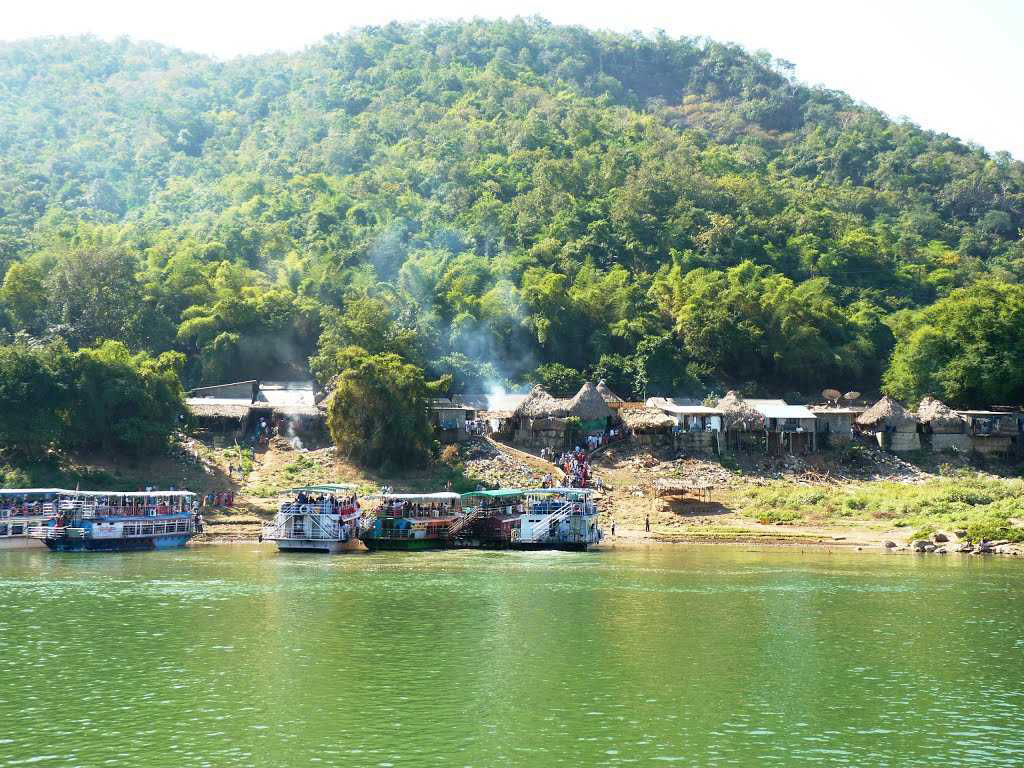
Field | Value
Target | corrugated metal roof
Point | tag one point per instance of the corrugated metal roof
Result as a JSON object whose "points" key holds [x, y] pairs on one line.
{"points": [[669, 406], [778, 409]]}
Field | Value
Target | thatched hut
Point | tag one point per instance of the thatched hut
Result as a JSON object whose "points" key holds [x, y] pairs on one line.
{"points": [[650, 426], [894, 427], [541, 405], [540, 420], [590, 408], [737, 415], [742, 424], [942, 427], [609, 397], [938, 417]]}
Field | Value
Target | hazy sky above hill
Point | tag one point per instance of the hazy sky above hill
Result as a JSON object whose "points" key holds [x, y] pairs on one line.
{"points": [[949, 65]]}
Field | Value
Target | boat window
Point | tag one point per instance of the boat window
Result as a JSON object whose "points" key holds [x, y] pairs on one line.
{"points": [[3, 530], [17, 530]]}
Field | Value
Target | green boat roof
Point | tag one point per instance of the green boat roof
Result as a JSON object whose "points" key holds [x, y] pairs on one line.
{"points": [[504, 492], [497, 493], [323, 488]]}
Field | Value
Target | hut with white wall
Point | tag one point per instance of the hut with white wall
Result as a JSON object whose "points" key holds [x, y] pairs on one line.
{"points": [[942, 428], [892, 426]]}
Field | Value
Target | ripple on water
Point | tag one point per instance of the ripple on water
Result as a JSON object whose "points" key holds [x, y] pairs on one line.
{"points": [[233, 656]]}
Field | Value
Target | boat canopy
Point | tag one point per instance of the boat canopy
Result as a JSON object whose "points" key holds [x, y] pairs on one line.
{"points": [[442, 496], [27, 491], [498, 493], [322, 488], [130, 494], [559, 491], [66, 492]]}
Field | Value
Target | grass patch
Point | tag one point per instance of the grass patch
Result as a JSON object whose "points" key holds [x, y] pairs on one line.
{"points": [[985, 506]]}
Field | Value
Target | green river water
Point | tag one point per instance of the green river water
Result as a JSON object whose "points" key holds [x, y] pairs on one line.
{"points": [[237, 656]]}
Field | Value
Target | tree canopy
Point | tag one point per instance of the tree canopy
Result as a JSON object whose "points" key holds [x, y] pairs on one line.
{"points": [[377, 413], [488, 200]]}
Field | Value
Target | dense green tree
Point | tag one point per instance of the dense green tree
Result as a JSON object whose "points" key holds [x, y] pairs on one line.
{"points": [[122, 402], [377, 413], [677, 213], [33, 398], [965, 349], [559, 380]]}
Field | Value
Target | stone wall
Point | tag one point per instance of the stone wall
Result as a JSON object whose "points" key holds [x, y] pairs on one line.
{"points": [[990, 444], [899, 442], [696, 442], [956, 441]]}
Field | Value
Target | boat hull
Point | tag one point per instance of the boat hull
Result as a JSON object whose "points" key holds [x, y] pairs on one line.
{"points": [[551, 546], [404, 545], [319, 545], [139, 544]]}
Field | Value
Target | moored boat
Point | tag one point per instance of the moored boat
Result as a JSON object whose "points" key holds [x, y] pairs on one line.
{"points": [[317, 518], [413, 521], [22, 509], [112, 521], [532, 518]]}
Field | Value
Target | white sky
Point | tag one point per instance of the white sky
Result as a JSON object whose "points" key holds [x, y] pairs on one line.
{"points": [[949, 65]]}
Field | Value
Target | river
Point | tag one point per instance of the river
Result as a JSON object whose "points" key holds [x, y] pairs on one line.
{"points": [[237, 656]]}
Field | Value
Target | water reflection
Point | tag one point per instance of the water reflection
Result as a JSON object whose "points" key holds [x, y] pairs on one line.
{"points": [[234, 656]]}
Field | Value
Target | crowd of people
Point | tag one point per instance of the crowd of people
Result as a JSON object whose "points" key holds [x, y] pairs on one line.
{"points": [[576, 467], [219, 499], [329, 503]]}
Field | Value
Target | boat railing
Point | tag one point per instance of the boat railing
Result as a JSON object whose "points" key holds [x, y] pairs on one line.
{"points": [[89, 509], [321, 527], [323, 508], [55, 532], [543, 529]]}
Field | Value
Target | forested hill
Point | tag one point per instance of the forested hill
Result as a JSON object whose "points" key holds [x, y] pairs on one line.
{"points": [[503, 201]]}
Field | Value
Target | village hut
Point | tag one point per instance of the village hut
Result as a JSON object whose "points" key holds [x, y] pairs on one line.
{"points": [[894, 427], [942, 427], [591, 409], [540, 420], [742, 423], [834, 424], [609, 397], [994, 432], [939, 417], [649, 426], [540, 405], [737, 415]]}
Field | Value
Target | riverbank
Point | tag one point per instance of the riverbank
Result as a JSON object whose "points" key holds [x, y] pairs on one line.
{"points": [[856, 498]]}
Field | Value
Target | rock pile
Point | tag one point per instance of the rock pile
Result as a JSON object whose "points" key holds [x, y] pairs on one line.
{"points": [[943, 543], [494, 469]]}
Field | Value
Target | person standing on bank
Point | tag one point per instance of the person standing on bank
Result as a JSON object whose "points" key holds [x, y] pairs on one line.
{"points": [[647, 523]]}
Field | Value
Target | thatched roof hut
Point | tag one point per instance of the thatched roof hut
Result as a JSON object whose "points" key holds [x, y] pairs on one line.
{"points": [[939, 417], [606, 392], [588, 405], [737, 414], [647, 419], [541, 405], [888, 413]]}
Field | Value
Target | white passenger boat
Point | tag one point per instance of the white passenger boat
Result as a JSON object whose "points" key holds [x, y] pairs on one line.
{"points": [[317, 518], [530, 518], [22, 509]]}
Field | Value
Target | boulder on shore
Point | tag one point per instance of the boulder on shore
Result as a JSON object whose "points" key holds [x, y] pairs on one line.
{"points": [[890, 545], [921, 545], [940, 538]]}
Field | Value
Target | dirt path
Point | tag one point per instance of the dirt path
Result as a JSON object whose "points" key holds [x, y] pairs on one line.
{"points": [[533, 460]]}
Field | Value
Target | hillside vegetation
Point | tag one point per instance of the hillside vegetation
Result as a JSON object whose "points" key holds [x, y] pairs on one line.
{"points": [[503, 201]]}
